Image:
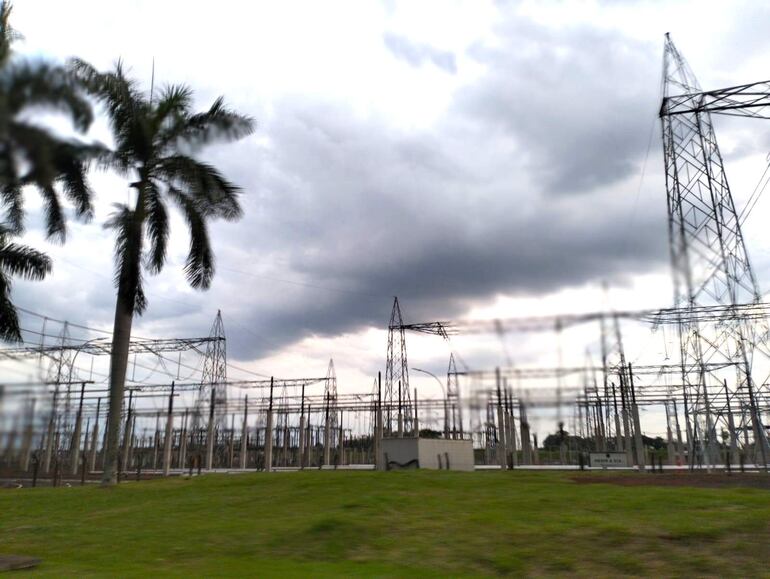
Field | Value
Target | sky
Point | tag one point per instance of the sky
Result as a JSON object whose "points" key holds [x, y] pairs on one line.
{"points": [[476, 159]]}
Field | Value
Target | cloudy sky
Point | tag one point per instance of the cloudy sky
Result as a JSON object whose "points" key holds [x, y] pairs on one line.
{"points": [[473, 158]]}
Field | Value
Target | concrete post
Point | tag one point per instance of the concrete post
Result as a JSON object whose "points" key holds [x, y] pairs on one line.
{"points": [[244, 433], [131, 445], [626, 422], [670, 440], [26, 443], [128, 432], [84, 456], [526, 450], [327, 433], [168, 438], [286, 441], [156, 442], [75, 444], [183, 442], [342, 442], [679, 442], [308, 434], [269, 432], [638, 442], [400, 413], [618, 431], [49, 442], [210, 431], [509, 450], [302, 430], [510, 437], [731, 427], [378, 427], [712, 456], [10, 441], [502, 448], [231, 445], [94, 438], [416, 419], [302, 440], [446, 418]]}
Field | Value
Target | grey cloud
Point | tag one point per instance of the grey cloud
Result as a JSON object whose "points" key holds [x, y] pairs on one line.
{"points": [[357, 211], [417, 53], [579, 102], [443, 219]]}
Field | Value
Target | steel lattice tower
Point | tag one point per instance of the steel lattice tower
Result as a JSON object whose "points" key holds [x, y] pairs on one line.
{"points": [[397, 396], [214, 375], [453, 399], [708, 255], [331, 414]]}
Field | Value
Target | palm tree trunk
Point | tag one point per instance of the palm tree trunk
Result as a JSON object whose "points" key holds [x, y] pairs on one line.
{"points": [[124, 316]]}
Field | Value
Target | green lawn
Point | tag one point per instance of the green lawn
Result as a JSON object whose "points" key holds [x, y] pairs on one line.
{"points": [[396, 523]]}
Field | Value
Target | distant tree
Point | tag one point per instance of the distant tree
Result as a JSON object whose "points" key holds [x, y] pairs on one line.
{"points": [[154, 137], [430, 433], [657, 443], [32, 156], [554, 441]]}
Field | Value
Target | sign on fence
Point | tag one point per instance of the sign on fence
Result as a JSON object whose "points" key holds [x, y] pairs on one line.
{"points": [[608, 459]]}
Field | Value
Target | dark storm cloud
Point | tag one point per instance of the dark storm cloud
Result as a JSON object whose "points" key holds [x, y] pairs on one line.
{"points": [[579, 100], [342, 212], [417, 53], [362, 212]]}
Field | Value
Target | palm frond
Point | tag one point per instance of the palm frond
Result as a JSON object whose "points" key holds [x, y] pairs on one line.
{"points": [[11, 193], [29, 84], [199, 266], [174, 103], [23, 261], [218, 124], [71, 161], [8, 34], [119, 94], [212, 193], [128, 256], [10, 331], [20, 260], [55, 225], [157, 227]]}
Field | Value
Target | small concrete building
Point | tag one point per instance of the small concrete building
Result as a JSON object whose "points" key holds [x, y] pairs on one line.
{"points": [[431, 453]]}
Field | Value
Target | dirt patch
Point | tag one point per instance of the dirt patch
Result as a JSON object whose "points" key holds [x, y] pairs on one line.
{"points": [[16, 562], [680, 479]]}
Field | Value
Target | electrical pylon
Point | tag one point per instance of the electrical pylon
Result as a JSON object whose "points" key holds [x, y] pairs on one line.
{"points": [[330, 411], [397, 399], [708, 255], [214, 375], [453, 399]]}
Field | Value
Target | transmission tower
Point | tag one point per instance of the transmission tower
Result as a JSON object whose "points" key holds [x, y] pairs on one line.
{"points": [[397, 399], [61, 370], [60, 367], [708, 254], [214, 376], [453, 399], [330, 411]]}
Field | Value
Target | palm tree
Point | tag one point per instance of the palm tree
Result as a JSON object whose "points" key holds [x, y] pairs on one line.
{"points": [[18, 260], [153, 144], [31, 155]]}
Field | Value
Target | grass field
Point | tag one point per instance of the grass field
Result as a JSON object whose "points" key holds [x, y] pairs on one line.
{"points": [[388, 524]]}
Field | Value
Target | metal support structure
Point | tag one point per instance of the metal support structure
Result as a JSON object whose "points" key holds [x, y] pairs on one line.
{"points": [[711, 266], [397, 390]]}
